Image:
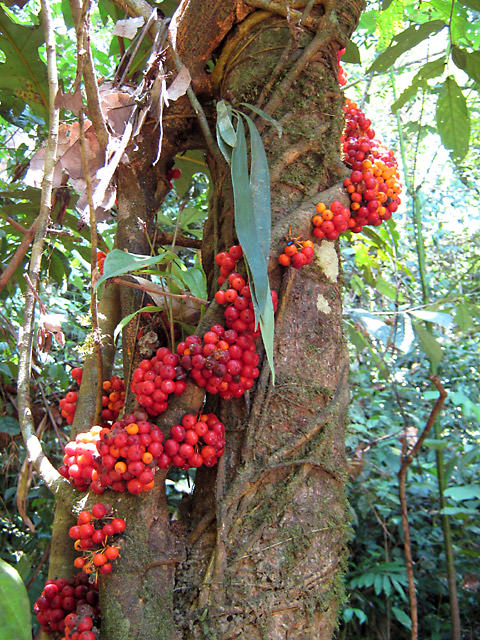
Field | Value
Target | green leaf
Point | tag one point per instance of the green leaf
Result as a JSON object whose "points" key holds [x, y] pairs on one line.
{"points": [[403, 42], [245, 222], [467, 61], [194, 279], [265, 116], [124, 321], [463, 318], [189, 163], [437, 317], [386, 288], [429, 70], [14, 605], [430, 346], [459, 511], [9, 424], [453, 120], [225, 125], [402, 617], [436, 444], [23, 73], [466, 492], [119, 262], [472, 4], [249, 231], [260, 188], [352, 53]]}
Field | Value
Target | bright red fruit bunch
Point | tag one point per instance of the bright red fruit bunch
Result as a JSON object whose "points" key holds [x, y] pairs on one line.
{"points": [[91, 535], [374, 184], [61, 597], [297, 252], [81, 626], [129, 454], [196, 441], [224, 362], [227, 261], [330, 222], [79, 460], [153, 381], [112, 401]]}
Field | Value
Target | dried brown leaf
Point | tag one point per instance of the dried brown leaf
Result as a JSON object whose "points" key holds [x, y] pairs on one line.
{"points": [[180, 85], [128, 28]]}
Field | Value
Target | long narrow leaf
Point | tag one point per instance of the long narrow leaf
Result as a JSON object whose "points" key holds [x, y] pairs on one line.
{"points": [[260, 188], [248, 236]]}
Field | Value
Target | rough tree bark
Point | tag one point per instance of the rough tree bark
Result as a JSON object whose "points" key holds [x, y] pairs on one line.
{"points": [[259, 549]]}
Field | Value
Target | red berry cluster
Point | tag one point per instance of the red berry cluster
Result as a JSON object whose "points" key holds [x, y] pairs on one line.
{"points": [[224, 363], [101, 255], [68, 406], [196, 441], [227, 261], [80, 626], [330, 223], [97, 554], [79, 460], [342, 76], [114, 401], [297, 252], [130, 451], [374, 184], [61, 597], [154, 380]]}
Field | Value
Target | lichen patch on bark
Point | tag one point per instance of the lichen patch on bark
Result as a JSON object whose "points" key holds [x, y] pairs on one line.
{"points": [[322, 304], [327, 259]]}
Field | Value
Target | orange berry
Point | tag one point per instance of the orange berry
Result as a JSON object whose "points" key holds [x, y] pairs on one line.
{"points": [[290, 250], [131, 428], [99, 559], [320, 208], [79, 562], [147, 457], [284, 260], [308, 243], [112, 553], [317, 220], [106, 385], [351, 189], [354, 206], [327, 215], [120, 467]]}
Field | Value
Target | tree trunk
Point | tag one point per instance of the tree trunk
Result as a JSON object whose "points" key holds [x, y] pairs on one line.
{"points": [[259, 550]]}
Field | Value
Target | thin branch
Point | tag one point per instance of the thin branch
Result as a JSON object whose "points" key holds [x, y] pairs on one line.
{"points": [[406, 461], [200, 113], [282, 10], [180, 241], [87, 69], [158, 290], [18, 256], [16, 225], [97, 340], [47, 471]]}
